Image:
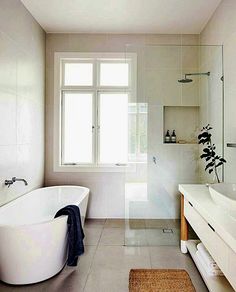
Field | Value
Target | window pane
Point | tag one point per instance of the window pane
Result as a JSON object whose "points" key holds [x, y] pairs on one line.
{"points": [[137, 131], [114, 74], [78, 122], [143, 122], [80, 74], [132, 134], [143, 133], [113, 127]]}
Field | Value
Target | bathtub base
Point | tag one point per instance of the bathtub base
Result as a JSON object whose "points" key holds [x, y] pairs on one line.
{"points": [[39, 253], [28, 284]]}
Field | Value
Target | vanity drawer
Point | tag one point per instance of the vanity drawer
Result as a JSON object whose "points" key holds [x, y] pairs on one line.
{"points": [[212, 241]]}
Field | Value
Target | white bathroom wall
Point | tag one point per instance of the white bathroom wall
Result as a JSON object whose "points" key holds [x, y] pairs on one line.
{"points": [[221, 30], [107, 197], [22, 92]]}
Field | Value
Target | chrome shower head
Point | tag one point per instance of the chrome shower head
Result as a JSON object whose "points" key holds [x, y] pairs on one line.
{"points": [[185, 80], [188, 80]]}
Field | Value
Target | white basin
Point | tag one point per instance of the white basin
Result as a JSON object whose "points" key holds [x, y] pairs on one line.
{"points": [[224, 195]]}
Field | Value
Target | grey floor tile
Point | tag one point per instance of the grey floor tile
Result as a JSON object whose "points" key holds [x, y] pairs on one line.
{"points": [[111, 266], [115, 223], [156, 237], [156, 223], [70, 280], [173, 223], [162, 223], [112, 236], [95, 223], [135, 224], [107, 281], [92, 235], [120, 258], [12, 288], [167, 257], [135, 237], [5, 287]]}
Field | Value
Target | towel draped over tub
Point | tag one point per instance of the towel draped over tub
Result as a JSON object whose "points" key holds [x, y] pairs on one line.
{"points": [[75, 233]]}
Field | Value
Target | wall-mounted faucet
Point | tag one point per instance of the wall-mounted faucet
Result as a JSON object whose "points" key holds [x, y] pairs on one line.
{"points": [[9, 182]]}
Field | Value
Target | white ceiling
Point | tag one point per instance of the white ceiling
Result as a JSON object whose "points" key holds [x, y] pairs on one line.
{"points": [[122, 16]]}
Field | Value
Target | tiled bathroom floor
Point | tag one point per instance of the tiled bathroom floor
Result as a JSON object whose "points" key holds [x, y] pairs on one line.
{"points": [[106, 263]]}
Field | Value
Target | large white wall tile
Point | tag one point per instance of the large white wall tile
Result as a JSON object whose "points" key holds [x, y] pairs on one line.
{"points": [[8, 118], [162, 87], [189, 57], [8, 161], [22, 93], [8, 60], [163, 57], [190, 91]]}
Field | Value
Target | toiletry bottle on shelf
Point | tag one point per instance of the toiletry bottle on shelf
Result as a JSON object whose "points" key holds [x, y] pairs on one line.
{"points": [[167, 137], [173, 137]]}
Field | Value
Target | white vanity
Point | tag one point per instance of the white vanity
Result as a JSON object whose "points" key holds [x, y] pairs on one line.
{"points": [[215, 228]]}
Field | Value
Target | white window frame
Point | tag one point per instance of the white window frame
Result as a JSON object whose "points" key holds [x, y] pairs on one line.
{"points": [[59, 88]]}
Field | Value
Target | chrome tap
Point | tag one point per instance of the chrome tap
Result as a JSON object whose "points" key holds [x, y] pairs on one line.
{"points": [[14, 179], [9, 182]]}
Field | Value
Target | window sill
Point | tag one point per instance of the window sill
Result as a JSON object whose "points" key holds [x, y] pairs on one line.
{"points": [[79, 168]]}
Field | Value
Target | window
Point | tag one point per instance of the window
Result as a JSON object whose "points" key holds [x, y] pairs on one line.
{"points": [[93, 94]]}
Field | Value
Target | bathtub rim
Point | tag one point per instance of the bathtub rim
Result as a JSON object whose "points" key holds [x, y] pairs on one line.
{"points": [[5, 206]]}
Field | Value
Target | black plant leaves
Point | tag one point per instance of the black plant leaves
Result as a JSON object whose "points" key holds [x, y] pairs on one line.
{"points": [[213, 160]]}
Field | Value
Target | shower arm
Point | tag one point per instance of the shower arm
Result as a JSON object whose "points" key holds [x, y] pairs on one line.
{"points": [[197, 74]]}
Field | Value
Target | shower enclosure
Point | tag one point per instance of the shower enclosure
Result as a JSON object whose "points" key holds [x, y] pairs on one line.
{"points": [[178, 88]]}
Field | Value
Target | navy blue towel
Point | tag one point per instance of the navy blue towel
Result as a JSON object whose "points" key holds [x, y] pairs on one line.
{"points": [[75, 233]]}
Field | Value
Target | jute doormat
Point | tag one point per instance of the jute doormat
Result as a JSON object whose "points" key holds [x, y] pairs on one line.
{"points": [[163, 280]]}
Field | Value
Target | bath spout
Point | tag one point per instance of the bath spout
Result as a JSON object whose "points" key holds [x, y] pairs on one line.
{"points": [[14, 179], [9, 182]]}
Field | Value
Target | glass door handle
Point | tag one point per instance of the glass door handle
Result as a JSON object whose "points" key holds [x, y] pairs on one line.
{"points": [[154, 159], [233, 145]]}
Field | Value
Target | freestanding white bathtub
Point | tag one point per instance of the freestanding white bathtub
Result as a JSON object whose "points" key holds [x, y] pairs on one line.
{"points": [[33, 245]]}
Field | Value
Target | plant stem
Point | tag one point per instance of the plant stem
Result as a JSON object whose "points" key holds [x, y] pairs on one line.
{"points": [[218, 180], [216, 174]]}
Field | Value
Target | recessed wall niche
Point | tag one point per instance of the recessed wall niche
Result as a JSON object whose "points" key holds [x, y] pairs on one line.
{"points": [[184, 120]]}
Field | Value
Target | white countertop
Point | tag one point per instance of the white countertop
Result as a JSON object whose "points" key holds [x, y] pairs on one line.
{"points": [[224, 225]]}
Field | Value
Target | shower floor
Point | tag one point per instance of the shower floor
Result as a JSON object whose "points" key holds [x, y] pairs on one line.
{"points": [[152, 232]]}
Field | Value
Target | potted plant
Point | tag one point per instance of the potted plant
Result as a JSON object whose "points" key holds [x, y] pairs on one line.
{"points": [[209, 154]]}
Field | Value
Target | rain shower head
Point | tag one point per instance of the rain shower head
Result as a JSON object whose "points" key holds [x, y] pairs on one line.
{"points": [[188, 80], [185, 80]]}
